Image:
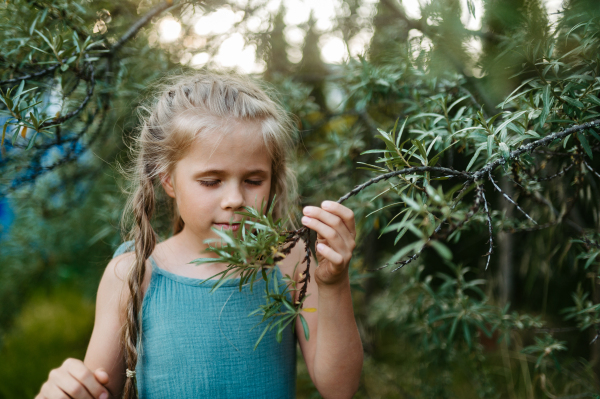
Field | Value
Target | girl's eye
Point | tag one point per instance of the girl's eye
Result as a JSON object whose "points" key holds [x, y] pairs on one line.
{"points": [[209, 183], [254, 182]]}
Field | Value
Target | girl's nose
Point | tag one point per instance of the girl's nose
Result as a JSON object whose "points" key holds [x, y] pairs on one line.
{"points": [[233, 198]]}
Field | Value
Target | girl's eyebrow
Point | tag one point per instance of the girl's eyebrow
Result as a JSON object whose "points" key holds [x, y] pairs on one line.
{"points": [[221, 172]]}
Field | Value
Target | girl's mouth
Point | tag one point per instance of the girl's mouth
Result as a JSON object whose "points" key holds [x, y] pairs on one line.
{"points": [[226, 226]]}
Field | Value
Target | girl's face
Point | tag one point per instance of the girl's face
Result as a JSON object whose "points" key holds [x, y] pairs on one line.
{"points": [[220, 174]]}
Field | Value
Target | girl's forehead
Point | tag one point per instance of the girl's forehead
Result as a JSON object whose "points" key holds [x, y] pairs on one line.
{"points": [[238, 145]]}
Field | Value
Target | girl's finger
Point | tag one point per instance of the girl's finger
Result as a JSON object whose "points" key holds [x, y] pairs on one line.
{"points": [[101, 375], [51, 391], [329, 219], [333, 257], [85, 377], [343, 212], [325, 231], [71, 386]]}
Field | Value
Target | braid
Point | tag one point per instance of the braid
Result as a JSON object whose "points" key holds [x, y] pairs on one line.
{"points": [[145, 241]]}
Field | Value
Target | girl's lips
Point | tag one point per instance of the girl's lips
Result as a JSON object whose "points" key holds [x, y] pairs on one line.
{"points": [[225, 226]]}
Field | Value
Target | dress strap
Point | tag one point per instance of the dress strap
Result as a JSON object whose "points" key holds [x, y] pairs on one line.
{"points": [[153, 263]]}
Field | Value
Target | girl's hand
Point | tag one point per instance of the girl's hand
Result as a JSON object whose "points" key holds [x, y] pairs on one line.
{"points": [[336, 232], [74, 380]]}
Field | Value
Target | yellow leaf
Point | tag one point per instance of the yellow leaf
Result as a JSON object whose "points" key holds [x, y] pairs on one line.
{"points": [[310, 310], [24, 131]]}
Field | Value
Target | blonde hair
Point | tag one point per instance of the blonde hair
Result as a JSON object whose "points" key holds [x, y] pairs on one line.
{"points": [[184, 107]]}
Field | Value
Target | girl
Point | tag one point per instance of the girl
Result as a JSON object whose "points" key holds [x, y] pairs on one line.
{"points": [[216, 143]]}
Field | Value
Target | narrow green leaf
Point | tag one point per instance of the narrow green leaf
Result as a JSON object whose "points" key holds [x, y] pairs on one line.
{"points": [[504, 150], [17, 95], [31, 141], [592, 99], [32, 27], [262, 336], [572, 101], [477, 152], [441, 249], [591, 260], [305, 327], [453, 329], [467, 333], [490, 145], [585, 145], [547, 103]]}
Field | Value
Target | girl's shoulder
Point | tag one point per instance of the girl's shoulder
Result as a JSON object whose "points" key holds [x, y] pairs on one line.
{"points": [[119, 267]]}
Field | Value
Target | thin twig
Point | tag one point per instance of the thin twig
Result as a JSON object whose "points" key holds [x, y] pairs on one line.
{"points": [[591, 169], [590, 242], [405, 171], [31, 75], [139, 24], [489, 221], [508, 198], [88, 96], [560, 173]]}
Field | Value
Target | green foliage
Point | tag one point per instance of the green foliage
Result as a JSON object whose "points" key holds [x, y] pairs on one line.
{"points": [[440, 143]]}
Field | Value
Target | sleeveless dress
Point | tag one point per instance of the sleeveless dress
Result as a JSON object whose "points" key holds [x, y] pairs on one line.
{"points": [[198, 344]]}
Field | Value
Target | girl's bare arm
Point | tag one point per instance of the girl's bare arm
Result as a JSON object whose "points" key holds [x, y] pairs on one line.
{"points": [[104, 350], [334, 352]]}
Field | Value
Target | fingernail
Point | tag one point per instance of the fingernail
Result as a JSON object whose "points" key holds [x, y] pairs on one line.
{"points": [[320, 247], [305, 220], [103, 395], [306, 210], [326, 204]]}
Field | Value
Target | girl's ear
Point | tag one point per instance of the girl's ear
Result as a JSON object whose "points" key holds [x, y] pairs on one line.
{"points": [[167, 183]]}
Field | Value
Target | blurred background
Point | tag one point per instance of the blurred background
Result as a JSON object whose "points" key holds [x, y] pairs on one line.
{"points": [[343, 68]]}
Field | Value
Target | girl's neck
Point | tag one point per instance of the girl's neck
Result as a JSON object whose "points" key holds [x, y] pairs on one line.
{"points": [[186, 242], [176, 253]]}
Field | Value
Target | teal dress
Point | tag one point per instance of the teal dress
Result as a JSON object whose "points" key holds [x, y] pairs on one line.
{"points": [[197, 344]]}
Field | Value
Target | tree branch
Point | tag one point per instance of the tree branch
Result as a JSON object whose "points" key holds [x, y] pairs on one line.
{"points": [[32, 75], [480, 174], [509, 199], [405, 171], [139, 24], [90, 92]]}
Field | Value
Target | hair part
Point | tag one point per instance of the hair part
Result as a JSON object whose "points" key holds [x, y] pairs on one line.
{"points": [[184, 107]]}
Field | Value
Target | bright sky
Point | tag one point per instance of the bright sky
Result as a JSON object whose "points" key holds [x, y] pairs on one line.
{"points": [[235, 53]]}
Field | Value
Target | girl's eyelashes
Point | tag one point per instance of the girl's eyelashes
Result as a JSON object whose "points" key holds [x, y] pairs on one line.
{"points": [[211, 183]]}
